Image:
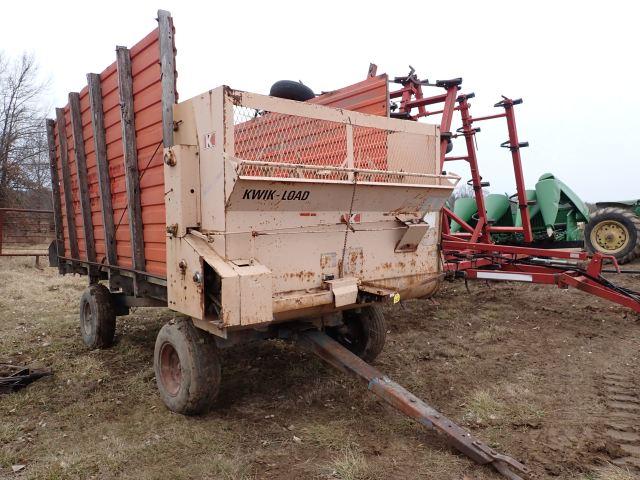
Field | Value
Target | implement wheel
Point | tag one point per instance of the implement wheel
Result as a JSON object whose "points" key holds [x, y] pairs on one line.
{"points": [[97, 317], [364, 332], [614, 231], [187, 367]]}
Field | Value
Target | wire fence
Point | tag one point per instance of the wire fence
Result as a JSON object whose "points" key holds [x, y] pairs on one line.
{"points": [[25, 232]]}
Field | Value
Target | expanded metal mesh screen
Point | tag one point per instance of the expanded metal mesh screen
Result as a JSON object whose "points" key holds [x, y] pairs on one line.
{"points": [[280, 145], [280, 138]]}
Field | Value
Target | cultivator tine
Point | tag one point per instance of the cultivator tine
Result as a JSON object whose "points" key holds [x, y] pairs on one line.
{"points": [[401, 399]]}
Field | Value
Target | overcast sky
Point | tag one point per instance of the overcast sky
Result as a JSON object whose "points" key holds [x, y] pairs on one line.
{"points": [[575, 64]]}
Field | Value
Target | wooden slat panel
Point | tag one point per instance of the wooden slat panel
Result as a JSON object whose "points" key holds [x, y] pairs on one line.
{"points": [[92, 175], [116, 151], [81, 171], [66, 181], [104, 180], [55, 187], [75, 192], [147, 99], [167, 62], [125, 87], [63, 211]]}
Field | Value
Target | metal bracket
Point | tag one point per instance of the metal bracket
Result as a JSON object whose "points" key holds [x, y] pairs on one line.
{"points": [[345, 290], [416, 229]]}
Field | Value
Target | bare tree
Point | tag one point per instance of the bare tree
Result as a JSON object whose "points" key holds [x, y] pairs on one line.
{"points": [[23, 146]]}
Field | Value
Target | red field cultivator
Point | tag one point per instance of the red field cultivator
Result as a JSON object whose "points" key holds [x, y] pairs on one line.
{"points": [[472, 253]]}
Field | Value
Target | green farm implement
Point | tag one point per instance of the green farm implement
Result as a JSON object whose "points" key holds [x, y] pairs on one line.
{"points": [[559, 218]]}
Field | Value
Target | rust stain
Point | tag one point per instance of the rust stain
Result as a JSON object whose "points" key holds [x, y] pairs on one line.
{"points": [[301, 275], [236, 97]]}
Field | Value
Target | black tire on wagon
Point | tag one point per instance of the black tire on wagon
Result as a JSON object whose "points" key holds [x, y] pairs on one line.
{"points": [[291, 90], [97, 317], [364, 332], [187, 367]]}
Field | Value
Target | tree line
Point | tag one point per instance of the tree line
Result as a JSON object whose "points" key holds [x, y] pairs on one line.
{"points": [[24, 160]]}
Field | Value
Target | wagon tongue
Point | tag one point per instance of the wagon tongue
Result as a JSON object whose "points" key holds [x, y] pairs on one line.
{"points": [[401, 399]]}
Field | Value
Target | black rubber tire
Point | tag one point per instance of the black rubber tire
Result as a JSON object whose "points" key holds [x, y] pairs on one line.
{"points": [[625, 217], [196, 387], [364, 332], [291, 90], [97, 317]]}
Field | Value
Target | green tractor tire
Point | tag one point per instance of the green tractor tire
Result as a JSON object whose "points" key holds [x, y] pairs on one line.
{"points": [[614, 231]]}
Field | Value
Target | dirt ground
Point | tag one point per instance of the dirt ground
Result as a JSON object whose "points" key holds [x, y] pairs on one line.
{"points": [[548, 376]]}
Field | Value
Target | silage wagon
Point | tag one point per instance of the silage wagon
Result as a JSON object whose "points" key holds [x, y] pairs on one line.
{"points": [[258, 217]]}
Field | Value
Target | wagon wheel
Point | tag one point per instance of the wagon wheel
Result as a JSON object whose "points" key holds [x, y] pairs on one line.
{"points": [[97, 317], [363, 332], [614, 231], [187, 367]]}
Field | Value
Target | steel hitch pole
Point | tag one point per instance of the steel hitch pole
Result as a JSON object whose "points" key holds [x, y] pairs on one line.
{"points": [[404, 401]]}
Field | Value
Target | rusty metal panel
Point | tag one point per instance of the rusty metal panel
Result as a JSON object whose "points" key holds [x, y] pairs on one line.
{"points": [[183, 293], [256, 290], [345, 291], [369, 96], [182, 182]]}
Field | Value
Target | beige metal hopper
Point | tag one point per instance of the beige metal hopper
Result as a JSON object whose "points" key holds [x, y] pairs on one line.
{"points": [[279, 209]]}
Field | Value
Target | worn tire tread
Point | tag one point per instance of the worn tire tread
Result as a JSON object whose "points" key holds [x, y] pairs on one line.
{"points": [[610, 213], [100, 297], [376, 330], [199, 357]]}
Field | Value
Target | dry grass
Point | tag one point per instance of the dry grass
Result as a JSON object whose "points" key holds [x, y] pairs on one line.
{"points": [[99, 416], [611, 472], [491, 333], [351, 464], [506, 404]]}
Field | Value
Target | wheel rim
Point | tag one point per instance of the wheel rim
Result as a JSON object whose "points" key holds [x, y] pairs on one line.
{"points": [[610, 236], [87, 319], [170, 369]]}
